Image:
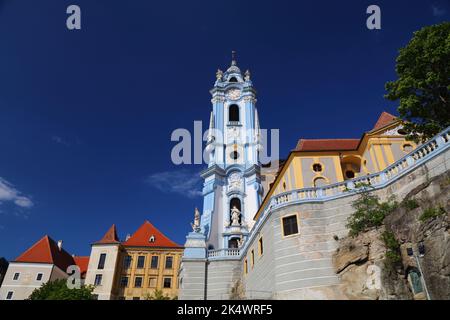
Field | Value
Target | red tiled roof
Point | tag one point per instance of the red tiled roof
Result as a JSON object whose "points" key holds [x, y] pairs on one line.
{"points": [[327, 144], [110, 236], [141, 238], [82, 263], [46, 251], [341, 144], [384, 119]]}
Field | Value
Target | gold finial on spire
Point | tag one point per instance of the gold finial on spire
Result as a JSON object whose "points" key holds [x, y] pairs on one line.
{"points": [[233, 58]]}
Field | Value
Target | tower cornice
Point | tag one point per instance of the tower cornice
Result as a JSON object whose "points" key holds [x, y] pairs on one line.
{"points": [[215, 169]]}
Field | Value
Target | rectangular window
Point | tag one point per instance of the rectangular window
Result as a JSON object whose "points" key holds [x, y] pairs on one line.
{"points": [[127, 262], [98, 280], [124, 282], [141, 262], [39, 277], [138, 282], [245, 266], [154, 264], [101, 261], [290, 225], [136, 298], [9, 295], [16, 276], [260, 246], [152, 282], [169, 262], [167, 282], [252, 255]]}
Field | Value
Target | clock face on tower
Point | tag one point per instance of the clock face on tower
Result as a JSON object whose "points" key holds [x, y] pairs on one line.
{"points": [[233, 94]]}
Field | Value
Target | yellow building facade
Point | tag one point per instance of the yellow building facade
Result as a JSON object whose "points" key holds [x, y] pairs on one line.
{"points": [[319, 162], [135, 269], [159, 271]]}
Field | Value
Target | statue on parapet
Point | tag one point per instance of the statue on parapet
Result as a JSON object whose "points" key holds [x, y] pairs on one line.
{"points": [[196, 224], [241, 241]]}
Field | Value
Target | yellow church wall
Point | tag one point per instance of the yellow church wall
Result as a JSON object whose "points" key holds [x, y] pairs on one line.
{"points": [[382, 151], [378, 153], [298, 172], [375, 152]]}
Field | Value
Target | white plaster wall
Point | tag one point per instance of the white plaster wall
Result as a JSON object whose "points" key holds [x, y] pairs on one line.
{"points": [[24, 286], [105, 290]]}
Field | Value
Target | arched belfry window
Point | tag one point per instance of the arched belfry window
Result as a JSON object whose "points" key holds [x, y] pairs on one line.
{"points": [[233, 113], [235, 202], [233, 79]]}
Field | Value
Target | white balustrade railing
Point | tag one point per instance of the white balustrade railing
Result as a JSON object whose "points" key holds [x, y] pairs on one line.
{"points": [[223, 253], [376, 179], [434, 146]]}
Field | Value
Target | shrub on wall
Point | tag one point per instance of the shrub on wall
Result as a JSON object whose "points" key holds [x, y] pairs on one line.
{"points": [[392, 256], [410, 204], [157, 295], [369, 212], [431, 213]]}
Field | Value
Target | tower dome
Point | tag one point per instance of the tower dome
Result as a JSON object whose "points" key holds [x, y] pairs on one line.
{"points": [[233, 73]]}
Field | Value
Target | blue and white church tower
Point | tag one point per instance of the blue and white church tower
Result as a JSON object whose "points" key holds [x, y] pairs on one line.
{"points": [[232, 182]]}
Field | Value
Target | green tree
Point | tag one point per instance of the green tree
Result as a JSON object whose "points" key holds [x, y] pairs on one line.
{"points": [[423, 84], [58, 290]]}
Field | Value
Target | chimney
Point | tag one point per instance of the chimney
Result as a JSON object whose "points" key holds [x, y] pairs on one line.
{"points": [[60, 242], [127, 237]]}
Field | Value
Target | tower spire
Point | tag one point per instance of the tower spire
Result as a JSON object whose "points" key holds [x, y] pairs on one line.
{"points": [[233, 58]]}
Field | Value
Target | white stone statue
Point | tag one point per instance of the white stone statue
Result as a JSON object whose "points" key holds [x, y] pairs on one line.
{"points": [[196, 225], [247, 75], [240, 241], [235, 214]]}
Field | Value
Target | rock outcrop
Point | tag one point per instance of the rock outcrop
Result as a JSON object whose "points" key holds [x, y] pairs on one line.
{"points": [[411, 229], [361, 263]]}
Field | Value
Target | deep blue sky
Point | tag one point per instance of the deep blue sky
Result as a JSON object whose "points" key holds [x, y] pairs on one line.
{"points": [[86, 116]]}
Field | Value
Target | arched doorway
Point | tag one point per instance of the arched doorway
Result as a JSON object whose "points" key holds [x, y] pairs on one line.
{"points": [[319, 182], [351, 166]]}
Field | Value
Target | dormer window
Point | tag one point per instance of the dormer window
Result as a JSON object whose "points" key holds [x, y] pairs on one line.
{"points": [[233, 79], [152, 239]]}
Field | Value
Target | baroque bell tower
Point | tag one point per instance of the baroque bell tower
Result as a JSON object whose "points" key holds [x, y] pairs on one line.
{"points": [[232, 182]]}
